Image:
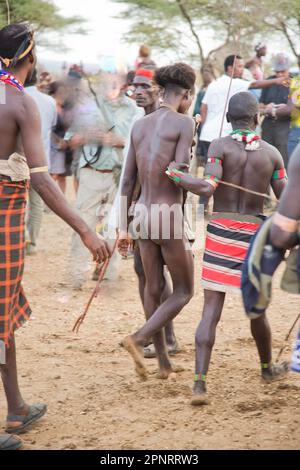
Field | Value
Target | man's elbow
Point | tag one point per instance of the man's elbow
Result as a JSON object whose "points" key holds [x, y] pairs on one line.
{"points": [[207, 191], [40, 182]]}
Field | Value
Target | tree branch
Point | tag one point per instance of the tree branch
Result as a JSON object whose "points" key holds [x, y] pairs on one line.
{"points": [[287, 35], [213, 51], [189, 20]]}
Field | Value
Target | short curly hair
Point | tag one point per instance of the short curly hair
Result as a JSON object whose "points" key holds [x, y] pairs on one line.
{"points": [[175, 76]]}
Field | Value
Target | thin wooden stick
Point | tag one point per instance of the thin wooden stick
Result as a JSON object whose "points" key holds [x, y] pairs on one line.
{"points": [[287, 337], [95, 292], [8, 12], [227, 97], [241, 188]]}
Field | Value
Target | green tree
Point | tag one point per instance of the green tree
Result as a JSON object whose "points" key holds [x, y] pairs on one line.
{"points": [[285, 21], [182, 25], [43, 15]]}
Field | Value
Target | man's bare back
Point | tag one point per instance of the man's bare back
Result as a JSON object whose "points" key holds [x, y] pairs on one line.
{"points": [[249, 169], [158, 139], [155, 139], [9, 113]]}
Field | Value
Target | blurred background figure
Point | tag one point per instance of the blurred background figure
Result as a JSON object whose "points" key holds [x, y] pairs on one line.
{"points": [[201, 151], [101, 126], [48, 114], [60, 153], [294, 109], [275, 126], [260, 52], [44, 82], [144, 60]]}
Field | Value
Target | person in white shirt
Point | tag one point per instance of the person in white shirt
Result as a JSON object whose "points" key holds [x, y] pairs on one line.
{"points": [[214, 101], [213, 104], [47, 109]]}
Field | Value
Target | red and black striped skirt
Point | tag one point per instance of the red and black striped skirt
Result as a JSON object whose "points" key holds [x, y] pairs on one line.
{"points": [[227, 241]]}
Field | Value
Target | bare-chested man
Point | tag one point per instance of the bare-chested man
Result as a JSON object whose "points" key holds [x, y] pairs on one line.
{"points": [[146, 95], [156, 140], [242, 159], [20, 134]]}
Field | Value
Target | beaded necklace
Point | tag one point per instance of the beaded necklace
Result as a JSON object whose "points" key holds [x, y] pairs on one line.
{"points": [[10, 79], [249, 137]]}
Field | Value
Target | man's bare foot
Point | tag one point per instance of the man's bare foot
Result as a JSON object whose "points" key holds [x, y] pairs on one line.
{"points": [[164, 373], [136, 353], [169, 372], [199, 397], [275, 372], [150, 353]]}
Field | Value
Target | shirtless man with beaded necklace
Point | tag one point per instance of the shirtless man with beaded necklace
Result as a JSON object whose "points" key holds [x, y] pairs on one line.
{"points": [[242, 159], [22, 158]]}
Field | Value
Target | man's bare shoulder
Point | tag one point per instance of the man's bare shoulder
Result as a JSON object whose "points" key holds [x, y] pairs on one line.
{"points": [[270, 150], [138, 125], [184, 119], [219, 146], [19, 101]]}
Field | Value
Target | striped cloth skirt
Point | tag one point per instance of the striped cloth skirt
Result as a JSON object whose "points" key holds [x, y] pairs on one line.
{"points": [[227, 241], [14, 308]]}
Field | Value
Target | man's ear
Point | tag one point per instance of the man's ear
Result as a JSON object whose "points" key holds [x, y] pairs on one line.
{"points": [[228, 117], [186, 95], [31, 58]]}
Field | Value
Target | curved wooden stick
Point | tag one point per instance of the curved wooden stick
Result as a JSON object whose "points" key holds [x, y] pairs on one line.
{"points": [[286, 338], [95, 292], [241, 188]]}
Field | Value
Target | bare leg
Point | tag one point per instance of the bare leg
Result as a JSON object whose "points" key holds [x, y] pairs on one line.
{"points": [[139, 271], [62, 183], [205, 340], [181, 267], [166, 292], [152, 299], [75, 184], [261, 332], [59, 181], [15, 403], [169, 328], [20, 415]]}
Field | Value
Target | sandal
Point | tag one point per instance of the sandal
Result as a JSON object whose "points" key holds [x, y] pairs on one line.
{"points": [[18, 423], [8, 442], [276, 372]]}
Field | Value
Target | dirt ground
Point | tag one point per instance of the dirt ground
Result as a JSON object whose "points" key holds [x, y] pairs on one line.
{"points": [[95, 400]]}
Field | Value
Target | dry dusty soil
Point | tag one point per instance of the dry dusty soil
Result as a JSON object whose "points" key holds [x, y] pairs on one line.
{"points": [[95, 399]]}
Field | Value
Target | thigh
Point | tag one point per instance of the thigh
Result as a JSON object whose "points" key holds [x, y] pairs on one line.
{"points": [[153, 264], [90, 191], [213, 300], [180, 263]]}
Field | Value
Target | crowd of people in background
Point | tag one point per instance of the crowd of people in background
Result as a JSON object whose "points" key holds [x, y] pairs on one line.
{"points": [[87, 122], [89, 128]]}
